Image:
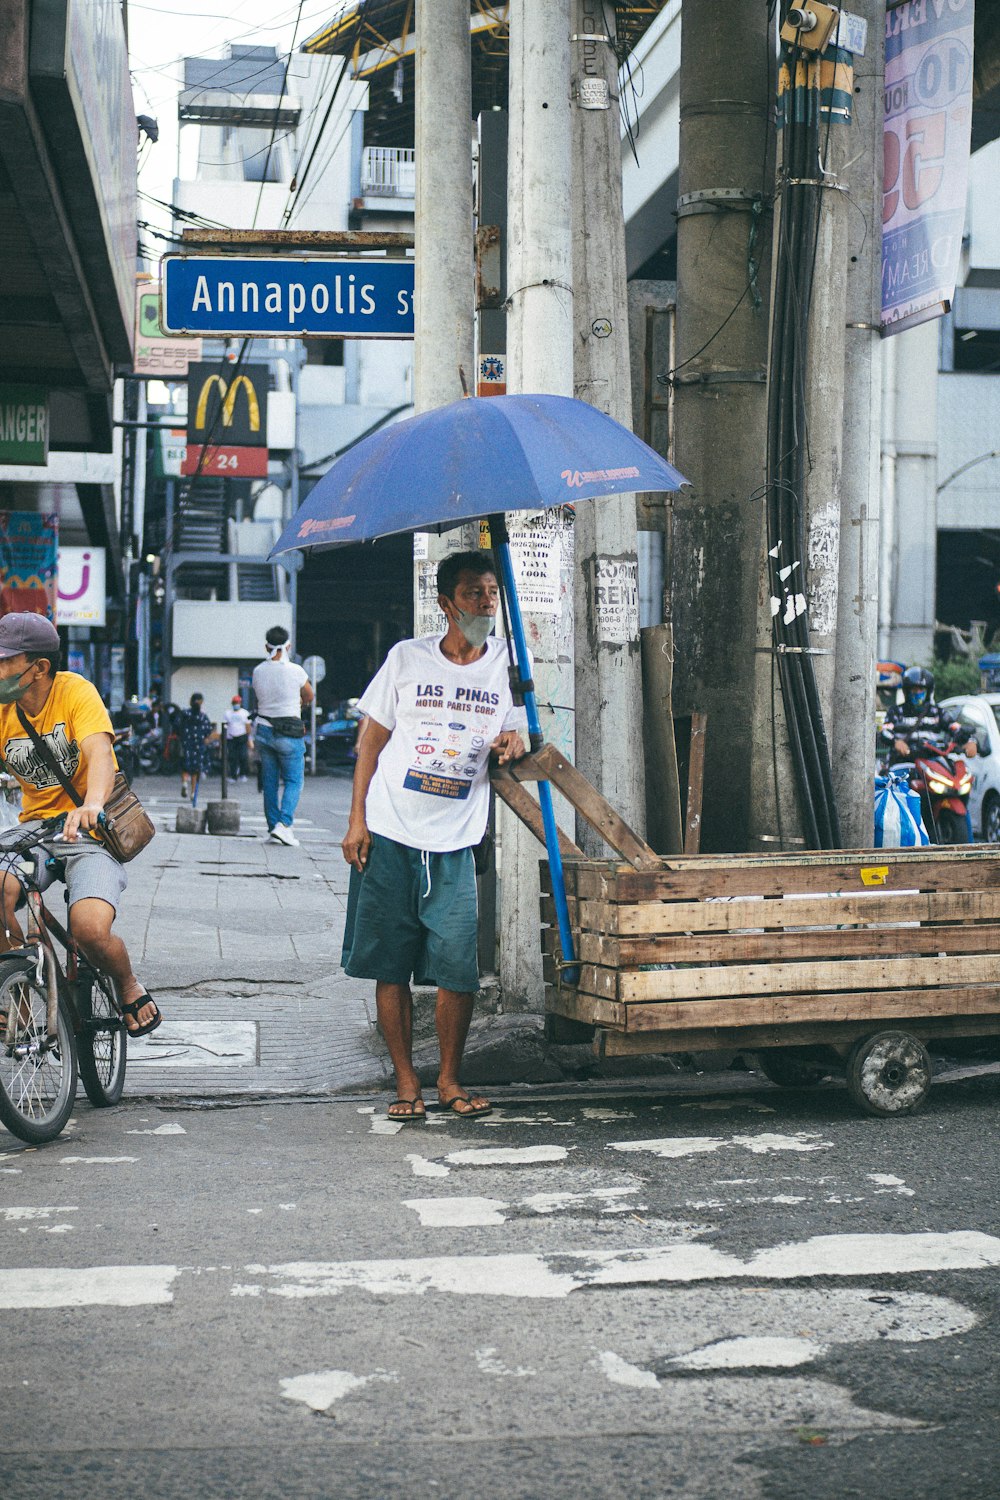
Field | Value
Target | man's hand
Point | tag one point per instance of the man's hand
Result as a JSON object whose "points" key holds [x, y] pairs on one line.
{"points": [[81, 820], [508, 746], [356, 844], [901, 747]]}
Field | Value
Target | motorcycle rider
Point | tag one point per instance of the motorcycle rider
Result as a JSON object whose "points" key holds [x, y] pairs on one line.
{"points": [[918, 716]]}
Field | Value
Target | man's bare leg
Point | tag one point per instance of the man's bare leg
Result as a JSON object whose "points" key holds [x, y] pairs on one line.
{"points": [[91, 920], [394, 1005], [452, 1017]]}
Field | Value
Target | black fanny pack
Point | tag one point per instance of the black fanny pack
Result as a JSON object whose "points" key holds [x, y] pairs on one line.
{"points": [[289, 729]]}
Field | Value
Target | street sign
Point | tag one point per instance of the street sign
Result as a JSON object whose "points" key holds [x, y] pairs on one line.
{"points": [[81, 588], [227, 418], [227, 296], [315, 667]]}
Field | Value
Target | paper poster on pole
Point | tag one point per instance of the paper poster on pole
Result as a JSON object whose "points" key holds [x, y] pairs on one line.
{"points": [[616, 600], [928, 124], [428, 617], [536, 556]]}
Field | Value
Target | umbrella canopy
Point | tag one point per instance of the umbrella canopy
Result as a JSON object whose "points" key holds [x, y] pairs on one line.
{"points": [[473, 458]]}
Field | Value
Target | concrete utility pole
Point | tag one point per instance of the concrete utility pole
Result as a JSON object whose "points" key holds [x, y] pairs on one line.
{"points": [[540, 359], [444, 296], [606, 586], [858, 595], [720, 393]]}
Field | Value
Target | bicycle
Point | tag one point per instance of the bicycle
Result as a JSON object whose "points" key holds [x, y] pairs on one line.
{"points": [[61, 1022]]}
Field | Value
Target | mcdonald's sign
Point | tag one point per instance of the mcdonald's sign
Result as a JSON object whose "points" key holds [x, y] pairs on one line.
{"points": [[227, 421]]}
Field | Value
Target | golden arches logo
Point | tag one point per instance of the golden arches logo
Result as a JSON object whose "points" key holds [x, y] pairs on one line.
{"points": [[227, 395]]}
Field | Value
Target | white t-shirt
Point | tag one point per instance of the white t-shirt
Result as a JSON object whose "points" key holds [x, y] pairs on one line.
{"points": [[277, 686], [431, 788], [237, 721]]}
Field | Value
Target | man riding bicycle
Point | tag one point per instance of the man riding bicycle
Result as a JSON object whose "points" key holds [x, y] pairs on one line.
{"points": [[65, 714]]}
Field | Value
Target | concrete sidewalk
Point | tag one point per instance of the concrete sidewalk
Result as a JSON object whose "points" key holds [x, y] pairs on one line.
{"points": [[239, 939]]}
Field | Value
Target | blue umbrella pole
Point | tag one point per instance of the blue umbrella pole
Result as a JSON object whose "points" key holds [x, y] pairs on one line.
{"points": [[501, 551]]}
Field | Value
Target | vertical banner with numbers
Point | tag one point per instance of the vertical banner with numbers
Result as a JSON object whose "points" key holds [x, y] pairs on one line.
{"points": [[928, 124]]}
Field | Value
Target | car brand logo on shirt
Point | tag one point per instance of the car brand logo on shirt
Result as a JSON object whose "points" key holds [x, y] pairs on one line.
{"points": [[457, 727], [451, 753], [425, 749]]}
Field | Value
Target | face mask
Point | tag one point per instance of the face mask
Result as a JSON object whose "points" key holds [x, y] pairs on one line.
{"points": [[12, 688], [476, 628]]}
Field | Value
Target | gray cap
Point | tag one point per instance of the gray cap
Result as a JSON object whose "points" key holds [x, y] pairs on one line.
{"points": [[27, 632]]}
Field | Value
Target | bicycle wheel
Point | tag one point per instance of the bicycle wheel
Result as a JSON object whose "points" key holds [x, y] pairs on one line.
{"points": [[102, 1042], [37, 1075]]}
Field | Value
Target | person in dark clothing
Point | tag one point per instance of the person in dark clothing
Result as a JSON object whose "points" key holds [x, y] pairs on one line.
{"points": [[196, 734]]}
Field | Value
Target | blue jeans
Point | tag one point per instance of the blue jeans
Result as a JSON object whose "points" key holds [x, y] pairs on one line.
{"points": [[284, 760]]}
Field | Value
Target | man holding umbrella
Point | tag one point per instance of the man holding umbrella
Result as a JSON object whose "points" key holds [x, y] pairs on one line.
{"points": [[434, 714]]}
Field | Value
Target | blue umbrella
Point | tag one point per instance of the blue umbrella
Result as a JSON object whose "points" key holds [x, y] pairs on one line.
{"points": [[482, 457], [459, 462]]}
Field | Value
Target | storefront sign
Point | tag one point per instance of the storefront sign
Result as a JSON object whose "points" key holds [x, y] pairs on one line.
{"points": [[157, 355], [24, 424], [29, 544], [928, 123], [81, 592], [227, 421]]}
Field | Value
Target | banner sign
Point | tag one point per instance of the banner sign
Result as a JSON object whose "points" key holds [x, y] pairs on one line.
{"points": [[227, 417], [24, 424], [928, 124], [156, 355], [29, 544], [81, 594], [224, 296]]}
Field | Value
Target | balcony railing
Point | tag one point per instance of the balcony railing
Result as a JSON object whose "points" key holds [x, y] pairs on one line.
{"points": [[388, 172]]}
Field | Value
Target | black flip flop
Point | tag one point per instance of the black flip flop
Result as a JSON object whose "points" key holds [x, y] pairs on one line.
{"points": [[412, 1118], [463, 1114], [134, 1007]]}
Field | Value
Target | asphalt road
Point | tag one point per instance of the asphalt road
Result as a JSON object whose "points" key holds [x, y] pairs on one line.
{"points": [[722, 1291]]}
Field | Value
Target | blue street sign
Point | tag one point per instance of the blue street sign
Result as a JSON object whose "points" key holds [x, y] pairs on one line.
{"points": [[229, 296]]}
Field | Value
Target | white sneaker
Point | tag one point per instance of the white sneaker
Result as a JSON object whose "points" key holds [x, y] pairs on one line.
{"points": [[282, 834]]}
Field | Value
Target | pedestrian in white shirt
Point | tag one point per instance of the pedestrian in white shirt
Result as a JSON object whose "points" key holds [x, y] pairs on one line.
{"points": [[282, 689], [435, 713], [238, 738]]}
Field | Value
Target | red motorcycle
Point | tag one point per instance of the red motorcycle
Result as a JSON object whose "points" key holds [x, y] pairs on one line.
{"points": [[944, 782]]}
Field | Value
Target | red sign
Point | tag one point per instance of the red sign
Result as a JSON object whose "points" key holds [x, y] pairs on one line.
{"points": [[224, 462]]}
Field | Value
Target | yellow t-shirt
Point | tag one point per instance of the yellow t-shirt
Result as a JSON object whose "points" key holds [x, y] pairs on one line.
{"points": [[73, 710]]}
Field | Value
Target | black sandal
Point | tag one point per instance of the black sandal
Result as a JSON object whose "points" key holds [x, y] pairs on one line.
{"points": [[133, 1008], [415, 1117]]}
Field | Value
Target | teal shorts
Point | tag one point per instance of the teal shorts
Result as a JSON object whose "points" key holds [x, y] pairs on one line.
{"points": [[413, 914]]}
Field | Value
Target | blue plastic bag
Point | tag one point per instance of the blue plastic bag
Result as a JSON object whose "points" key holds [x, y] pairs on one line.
{"points": [[899, 823]]}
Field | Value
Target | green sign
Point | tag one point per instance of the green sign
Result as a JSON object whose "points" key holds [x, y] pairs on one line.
{"points": [[24, 424]]}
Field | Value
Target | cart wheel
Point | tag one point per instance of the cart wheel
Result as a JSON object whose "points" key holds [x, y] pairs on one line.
{"points": [[789, 1070], [888, 1073]]}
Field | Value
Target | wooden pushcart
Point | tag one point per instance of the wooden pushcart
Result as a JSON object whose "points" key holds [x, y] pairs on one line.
{"points": [[814, 961]]}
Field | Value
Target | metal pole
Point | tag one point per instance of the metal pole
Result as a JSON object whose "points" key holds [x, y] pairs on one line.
{"points": [[224, 747], [539, 358], [609, 744], [312, 729], [858, 596]]}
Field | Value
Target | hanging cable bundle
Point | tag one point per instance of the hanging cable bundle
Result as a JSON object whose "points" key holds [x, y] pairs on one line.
{"points": [[800, 194]]}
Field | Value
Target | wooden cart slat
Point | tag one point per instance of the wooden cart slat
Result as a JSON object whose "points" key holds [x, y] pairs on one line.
{"points": [[836, 943], [800, 1009], [879, 869], [829, 911], [787, 1034], [745, 980]]}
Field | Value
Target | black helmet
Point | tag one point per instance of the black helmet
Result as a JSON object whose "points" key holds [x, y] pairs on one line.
{"points": [[918, 686]]}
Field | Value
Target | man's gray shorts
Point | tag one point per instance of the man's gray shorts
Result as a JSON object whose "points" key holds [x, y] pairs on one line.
{"points": [[91, 872]]}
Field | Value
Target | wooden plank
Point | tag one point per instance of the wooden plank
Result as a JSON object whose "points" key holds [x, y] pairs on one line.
{"points": [[547, 910], [523, 805], [655, 917], [566, 1002], [744, 980], [742, 948], [776, 1010], [299, 239], [548, 764], [753, 1038], [696, 784], [946, 872]]}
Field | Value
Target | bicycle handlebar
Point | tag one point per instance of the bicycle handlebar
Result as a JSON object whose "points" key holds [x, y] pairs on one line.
{"points": [[33, 837]]}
